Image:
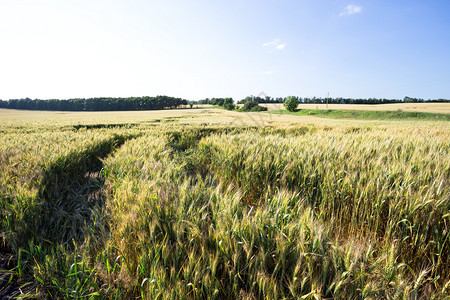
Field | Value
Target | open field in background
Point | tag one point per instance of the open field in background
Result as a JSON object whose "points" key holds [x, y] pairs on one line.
{"points": [[443, 108], [208, 203], [200, 116]]}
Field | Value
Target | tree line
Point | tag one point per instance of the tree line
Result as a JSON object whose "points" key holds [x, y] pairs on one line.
{"points": [[164, 102], [315, 100], [96, 104], [215, 101]]}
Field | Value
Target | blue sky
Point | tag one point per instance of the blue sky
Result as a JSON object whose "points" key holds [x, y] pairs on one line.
{"points": [[205, 48]]}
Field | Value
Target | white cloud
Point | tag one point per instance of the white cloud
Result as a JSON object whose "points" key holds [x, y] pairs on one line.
{"points": [[272, 43], [351, 10], [275, 44], [271, 72]]}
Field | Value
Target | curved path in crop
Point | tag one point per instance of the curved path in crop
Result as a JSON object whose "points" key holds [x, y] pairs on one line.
{"points": [[77, 191]]}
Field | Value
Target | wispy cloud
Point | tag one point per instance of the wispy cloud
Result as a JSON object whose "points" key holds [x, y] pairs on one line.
{"points": [[275, 44], [272, 43], [351, 10]]}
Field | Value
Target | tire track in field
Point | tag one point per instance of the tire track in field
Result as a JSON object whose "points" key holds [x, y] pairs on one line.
{"points": [[72, 191]]}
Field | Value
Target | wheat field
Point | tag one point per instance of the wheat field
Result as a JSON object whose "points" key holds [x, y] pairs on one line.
{"points": [[412, 107], [207, 203]]}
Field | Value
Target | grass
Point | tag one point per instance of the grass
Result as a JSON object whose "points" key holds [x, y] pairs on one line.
{"points": [[368, 114], [347, 210]]}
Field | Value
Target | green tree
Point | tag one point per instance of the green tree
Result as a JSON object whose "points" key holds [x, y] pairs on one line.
{"points": [[291, 103], [252, 106], [248, 105], [228, 104]]}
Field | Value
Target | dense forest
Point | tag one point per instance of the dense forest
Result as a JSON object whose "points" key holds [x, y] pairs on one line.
{"points": [[314, 100], [96, 104]]}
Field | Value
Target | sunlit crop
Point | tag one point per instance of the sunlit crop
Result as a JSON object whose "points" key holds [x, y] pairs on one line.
{"points": [[227, 209]]}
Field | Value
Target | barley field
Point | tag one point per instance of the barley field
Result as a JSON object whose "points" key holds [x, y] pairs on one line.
{"points": [[212, 204]]}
